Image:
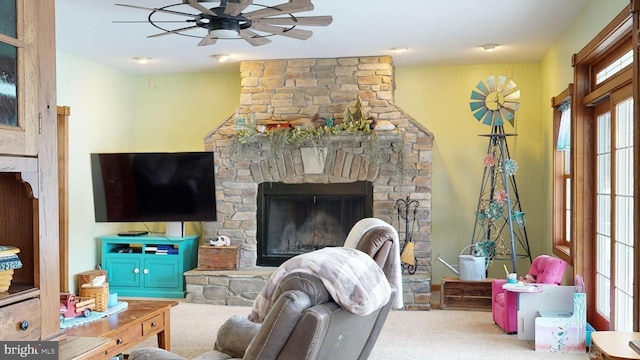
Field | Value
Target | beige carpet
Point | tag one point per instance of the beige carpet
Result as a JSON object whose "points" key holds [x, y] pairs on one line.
{"points": [[407, 335]]}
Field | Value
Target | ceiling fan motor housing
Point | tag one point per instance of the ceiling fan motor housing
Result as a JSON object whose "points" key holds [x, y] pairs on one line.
{"points": [[223, 25]]}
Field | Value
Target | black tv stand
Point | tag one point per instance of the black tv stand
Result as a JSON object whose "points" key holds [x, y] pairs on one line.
{"points": [[133, 233]]}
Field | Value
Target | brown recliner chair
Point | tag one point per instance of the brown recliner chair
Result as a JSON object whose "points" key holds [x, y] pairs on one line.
{"points": [[304, 322]]}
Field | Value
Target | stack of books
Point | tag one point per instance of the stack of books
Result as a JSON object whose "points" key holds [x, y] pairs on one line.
{"points": [[161, 249]]}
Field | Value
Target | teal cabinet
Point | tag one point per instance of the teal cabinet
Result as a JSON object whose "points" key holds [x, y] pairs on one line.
{"points": [[150, 265]]}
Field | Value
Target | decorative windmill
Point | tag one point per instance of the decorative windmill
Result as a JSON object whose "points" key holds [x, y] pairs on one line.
{"points": [[499, 232]]}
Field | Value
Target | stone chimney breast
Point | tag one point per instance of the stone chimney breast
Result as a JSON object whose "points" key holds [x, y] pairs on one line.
{"points": [[314, 90]]}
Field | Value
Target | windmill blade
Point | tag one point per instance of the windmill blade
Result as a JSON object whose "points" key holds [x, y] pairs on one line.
{"points": [[196, 5], [160, 10], [253, 38], [288, 32], [291, 7], [208, 40], [304, 21], [235, 7], [173, 31]]}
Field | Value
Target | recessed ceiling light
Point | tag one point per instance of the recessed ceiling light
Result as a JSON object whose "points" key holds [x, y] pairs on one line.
{"points": [[221, 57], [141, 60], [489, 47], [398, 50]]}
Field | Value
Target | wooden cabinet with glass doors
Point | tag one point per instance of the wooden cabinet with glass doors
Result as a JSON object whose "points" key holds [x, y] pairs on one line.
{"points": [[28, 169]]}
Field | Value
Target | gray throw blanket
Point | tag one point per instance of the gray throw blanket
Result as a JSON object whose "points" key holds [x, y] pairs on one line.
{"points": [[352, 278], [392, 268]]}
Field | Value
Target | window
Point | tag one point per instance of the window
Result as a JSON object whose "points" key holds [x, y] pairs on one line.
{"points": [[562, 175], [603, 152], [614, 67]]}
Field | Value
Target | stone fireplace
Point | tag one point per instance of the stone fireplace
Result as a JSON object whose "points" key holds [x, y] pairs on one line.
{"points": [[394, 163]]}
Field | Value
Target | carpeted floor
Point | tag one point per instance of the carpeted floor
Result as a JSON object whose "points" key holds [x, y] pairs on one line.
{"points": [[407, 335]]}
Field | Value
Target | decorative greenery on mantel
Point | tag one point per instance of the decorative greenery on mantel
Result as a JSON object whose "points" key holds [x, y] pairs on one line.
{"points": [[325, 138], [355, 123], [300, 135]]}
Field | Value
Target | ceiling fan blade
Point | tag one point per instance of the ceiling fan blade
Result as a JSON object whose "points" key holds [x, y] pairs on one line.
{"points": [[253, 38], [235, 7], [194, 4], [160, 10], [304, 21], [168, 32], [208, 40], [145, 21], [288, 32], [282, 9]]}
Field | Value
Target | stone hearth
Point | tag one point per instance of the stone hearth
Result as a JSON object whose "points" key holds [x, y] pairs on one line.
{"points": [[313, 90]]}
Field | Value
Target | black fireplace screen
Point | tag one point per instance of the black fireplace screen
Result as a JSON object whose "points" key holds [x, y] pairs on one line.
{"points": [[298, 218]]}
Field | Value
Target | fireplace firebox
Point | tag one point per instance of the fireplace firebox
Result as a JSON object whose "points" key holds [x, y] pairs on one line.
{"points": [[298, 218]]}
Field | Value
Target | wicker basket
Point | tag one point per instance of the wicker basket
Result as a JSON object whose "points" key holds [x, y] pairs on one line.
{"points": [[88, 276], [5, 279], [100, 293]]}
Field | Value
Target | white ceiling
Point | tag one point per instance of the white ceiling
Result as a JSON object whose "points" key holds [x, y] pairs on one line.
{"points": [[436, 32]]}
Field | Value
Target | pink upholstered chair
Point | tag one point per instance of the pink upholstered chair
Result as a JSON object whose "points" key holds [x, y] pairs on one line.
{"points": [[504, 304]]}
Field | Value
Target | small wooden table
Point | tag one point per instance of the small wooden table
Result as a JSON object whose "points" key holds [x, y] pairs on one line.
{"points": [[613, 345], [142, 319]]}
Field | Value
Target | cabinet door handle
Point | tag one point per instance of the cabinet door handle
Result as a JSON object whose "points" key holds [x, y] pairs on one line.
{"points": [[136, 270], [153, 324], [24, 325], [119, 341], [145, 271]]}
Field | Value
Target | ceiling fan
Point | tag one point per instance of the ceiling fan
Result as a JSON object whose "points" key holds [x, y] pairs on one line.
{"points": [[227, 19]]}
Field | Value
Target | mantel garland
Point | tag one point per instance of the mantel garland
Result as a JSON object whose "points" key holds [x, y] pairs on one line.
{"points": [[354, 122]]}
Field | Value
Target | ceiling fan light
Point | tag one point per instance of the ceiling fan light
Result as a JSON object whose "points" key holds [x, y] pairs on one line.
{"points": [[489, 47], [221, 57], [223, 33], [398, 50], [141, 60], [224, 28]]}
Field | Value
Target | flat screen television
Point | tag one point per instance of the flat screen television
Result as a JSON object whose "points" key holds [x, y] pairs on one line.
{"points": [[153, 187]]}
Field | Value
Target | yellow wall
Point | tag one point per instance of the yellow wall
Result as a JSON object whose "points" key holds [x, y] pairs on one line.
{"points": [[176, 112], [116, 111], [102, 102]]}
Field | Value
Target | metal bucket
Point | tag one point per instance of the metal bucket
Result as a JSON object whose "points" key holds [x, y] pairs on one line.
{"points": [[471, 267]]}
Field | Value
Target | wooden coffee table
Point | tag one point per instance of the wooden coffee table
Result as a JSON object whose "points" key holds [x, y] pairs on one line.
{"points": [[141, 320]]}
